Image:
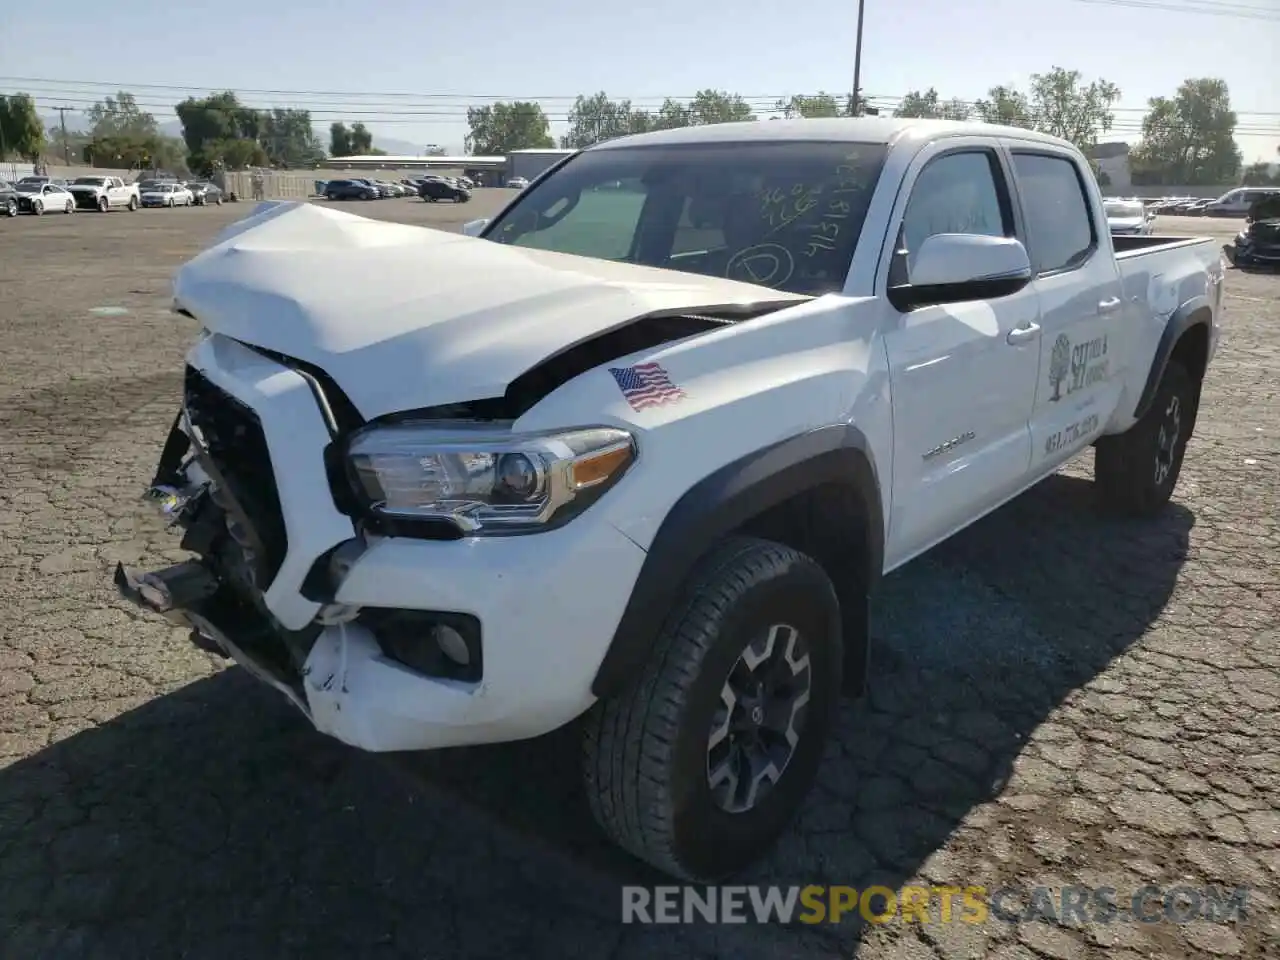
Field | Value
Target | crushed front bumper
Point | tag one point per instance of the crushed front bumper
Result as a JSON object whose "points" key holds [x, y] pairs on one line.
{"points": [[538, 612]]}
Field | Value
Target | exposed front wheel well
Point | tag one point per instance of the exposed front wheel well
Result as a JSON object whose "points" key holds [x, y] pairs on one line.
{"points": [[829, 524]]}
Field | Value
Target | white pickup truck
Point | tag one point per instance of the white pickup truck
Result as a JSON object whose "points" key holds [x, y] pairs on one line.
{"points": [[104, 193], [638, 453]]}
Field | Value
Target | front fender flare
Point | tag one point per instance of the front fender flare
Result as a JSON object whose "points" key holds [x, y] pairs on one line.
{"points": [[721, 503]]}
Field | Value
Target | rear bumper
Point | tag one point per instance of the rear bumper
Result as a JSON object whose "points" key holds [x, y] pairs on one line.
{"points": [[544, 607]]}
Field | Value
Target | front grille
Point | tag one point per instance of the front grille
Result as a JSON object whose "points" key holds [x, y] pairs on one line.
{"points": [[237, 446]]}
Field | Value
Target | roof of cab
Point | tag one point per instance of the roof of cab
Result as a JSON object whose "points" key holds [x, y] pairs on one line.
{"points": [[886, 130]]}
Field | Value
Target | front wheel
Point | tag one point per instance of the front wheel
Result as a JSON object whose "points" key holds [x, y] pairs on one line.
{"points": [[700, 765], [37, 208], [11, 208], [1136, 471], [103, 204], [133, 204], [69, 207]]}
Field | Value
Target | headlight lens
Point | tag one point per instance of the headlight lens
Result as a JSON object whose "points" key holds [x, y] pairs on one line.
{"points": [[483, 478]]}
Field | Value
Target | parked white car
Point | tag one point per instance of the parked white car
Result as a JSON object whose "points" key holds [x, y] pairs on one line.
{"points": [[517, 183], [646, 470], [1237, 203], [1128, 217], [40, 198], [104, 193], [166, 195]]}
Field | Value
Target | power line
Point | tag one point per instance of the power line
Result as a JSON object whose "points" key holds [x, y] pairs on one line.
{"points": [[1231, 10], [757, 102]]}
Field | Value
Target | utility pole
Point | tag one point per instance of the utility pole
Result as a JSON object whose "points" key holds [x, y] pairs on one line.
{"points": [[66, 144], [855, 105]]}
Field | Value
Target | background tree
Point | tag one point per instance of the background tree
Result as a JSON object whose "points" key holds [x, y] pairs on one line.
{"points": [[339, 140], [927, 105], [821, 104], [1259, 175], [361, 140], [21, 130], [289, 138], [1063, 107], [497, 129], [672, 115], [716, 106], [596, 118], [221, 131], [120, 116], [1189, 138], [1006, 106]]}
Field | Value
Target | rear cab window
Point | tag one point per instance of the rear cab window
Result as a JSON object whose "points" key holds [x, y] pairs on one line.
{"points": [[781, 214], [1061, 233]]}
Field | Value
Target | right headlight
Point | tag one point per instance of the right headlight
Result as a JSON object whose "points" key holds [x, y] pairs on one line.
{"points": [[485, 479]]}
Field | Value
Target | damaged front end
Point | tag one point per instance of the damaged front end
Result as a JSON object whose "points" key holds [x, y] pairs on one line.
{"points": [[214, 481]]}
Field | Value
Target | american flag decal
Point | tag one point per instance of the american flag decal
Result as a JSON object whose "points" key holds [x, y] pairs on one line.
{"points": [[646, 385]]}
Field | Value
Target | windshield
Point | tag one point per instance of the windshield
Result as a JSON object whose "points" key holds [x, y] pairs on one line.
{"points": [[782, 214], [89, 181], [1121, 209], [29, 187]]}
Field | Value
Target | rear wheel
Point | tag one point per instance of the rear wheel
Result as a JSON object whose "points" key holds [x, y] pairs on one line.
{"points": [[1136, 471], [11, 208], [133, 204], [702, 763], [103, 204], [37, 208], [69, 207]]}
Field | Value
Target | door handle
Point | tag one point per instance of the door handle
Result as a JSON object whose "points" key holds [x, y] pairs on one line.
{"points": [[1021, 335], [1109, 306]]}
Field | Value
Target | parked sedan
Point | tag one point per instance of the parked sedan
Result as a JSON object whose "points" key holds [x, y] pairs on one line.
{"points": [[436, 190], [517, 183], [349, 190], [8, 199], [41, 198], [204, 193], [1128, 218], [167, 195]]}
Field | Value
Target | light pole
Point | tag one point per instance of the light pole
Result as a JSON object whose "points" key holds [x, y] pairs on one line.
{"points": [[856, 103]]}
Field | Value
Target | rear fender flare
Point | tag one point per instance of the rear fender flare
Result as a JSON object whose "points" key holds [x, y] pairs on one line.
{"points": [[1196, 311]]}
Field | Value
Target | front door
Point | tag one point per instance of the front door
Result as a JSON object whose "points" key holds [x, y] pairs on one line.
{"points": [[1081, 307], [963, 374]]}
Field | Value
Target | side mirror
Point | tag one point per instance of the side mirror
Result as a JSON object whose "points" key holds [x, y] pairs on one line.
{"points": [[955, 267], [474, 228]]}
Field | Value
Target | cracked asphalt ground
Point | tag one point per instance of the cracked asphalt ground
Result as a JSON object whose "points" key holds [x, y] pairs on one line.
{"points": [[1058, 699]]}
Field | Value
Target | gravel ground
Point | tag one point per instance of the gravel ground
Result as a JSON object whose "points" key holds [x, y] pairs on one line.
{"points": [[1058, 699]]}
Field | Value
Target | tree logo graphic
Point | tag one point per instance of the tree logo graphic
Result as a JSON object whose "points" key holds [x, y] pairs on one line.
{"points": [[1059, 363]]}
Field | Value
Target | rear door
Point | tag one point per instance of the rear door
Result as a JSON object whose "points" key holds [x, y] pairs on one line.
{"points": [[1081, 304]]}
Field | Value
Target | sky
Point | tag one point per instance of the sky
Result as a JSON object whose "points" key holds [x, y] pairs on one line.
{"points": [[410, 70]]}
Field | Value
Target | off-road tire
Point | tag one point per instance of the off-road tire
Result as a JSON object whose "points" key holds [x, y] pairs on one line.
{"points": [[1126, 467], [645, 750]]}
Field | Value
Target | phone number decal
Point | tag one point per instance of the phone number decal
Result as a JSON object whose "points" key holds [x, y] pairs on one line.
{"points": [[1070, 434]]}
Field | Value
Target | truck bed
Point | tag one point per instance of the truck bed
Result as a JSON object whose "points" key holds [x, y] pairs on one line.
{"points": [[1127, 247]]}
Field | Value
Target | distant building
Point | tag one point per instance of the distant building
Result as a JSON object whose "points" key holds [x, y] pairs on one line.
{"points": [[1113, 160]]}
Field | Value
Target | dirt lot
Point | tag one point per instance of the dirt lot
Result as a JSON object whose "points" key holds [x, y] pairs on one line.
{"points": [[1058, 699]]}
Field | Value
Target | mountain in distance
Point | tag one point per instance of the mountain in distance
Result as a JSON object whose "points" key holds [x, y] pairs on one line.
{"points": [[173, 128]]}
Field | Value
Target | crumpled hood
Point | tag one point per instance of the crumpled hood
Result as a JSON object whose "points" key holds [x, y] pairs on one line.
{"points": [[403, 317]]}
